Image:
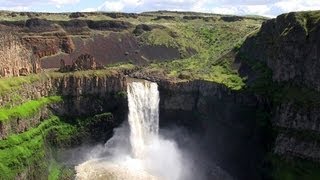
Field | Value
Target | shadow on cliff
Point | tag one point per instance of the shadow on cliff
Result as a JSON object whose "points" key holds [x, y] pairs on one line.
{"points": [[225, 127]]}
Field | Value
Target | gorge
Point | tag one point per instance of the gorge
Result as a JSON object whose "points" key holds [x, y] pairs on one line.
{"points": [[151, 157], [216, 97]]}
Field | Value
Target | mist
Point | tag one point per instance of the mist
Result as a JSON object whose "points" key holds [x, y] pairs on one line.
{"points": [[163, 159], [137, 150]]}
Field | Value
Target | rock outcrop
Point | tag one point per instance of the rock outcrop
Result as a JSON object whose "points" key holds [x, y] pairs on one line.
{"points": [[43, 46], [77, 93], [225, 121], [290, 46], [83, 62], [15, 58]]}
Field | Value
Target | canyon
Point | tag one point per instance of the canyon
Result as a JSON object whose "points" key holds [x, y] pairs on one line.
{"points": [[258, 119]]}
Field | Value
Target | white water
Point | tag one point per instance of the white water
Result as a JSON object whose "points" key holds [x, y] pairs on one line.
{"points": [[143, 99], [146, 155]]}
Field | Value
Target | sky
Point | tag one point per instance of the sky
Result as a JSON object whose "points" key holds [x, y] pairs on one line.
{"points": [[269, 8]]}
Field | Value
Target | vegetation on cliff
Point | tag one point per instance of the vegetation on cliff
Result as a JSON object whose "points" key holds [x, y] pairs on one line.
{"points": [[202, 45], [13, 83], [281, 70], [20, 152], [215, 43], [210, 48], [27, 109]]}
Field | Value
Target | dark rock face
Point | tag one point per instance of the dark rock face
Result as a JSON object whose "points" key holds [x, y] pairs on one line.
{"points": [[39, 25], [108, 25], [141, 28], [164, 17], [223, 122], [113, 48], [231, 18], [83, 62], [77, 15], [82, 97], [120, 15], [46, 46], [297, 147], [290, 46], [295, 116], [299, 129]]}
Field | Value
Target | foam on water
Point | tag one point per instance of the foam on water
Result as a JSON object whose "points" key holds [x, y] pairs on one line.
{"points": [[145, 155]]}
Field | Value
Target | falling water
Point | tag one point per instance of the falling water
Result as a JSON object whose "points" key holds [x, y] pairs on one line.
{"points": [[143, 98], [146, 155]]}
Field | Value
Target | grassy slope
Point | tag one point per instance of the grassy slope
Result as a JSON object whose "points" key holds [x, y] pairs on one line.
{"points": [[19, 151], [27, 109], [214, 41], [14, 83]]}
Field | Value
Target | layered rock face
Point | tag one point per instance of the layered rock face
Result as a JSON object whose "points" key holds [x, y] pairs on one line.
{"points": [[91, 95], [290, 46], [298, 131], [15, 58], [222, 123], [41, 44], [82, 97]]}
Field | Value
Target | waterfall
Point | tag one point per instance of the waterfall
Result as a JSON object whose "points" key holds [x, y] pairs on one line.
{"points": [[137, 152], [143, 101]]}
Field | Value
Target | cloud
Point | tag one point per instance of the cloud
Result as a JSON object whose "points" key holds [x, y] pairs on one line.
{"points": [[60, 3], [269, 8], [15, 8], [112, 6], [148, 5], [89, 10], [298, 5], [24, 5]]}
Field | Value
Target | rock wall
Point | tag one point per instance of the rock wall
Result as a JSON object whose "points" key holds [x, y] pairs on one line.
{"points": [[290, 46], [221, 121], [112, 48], [19, 125], [298, 131], [41, 44], [15, 58], [91, 95], [83, 96]]}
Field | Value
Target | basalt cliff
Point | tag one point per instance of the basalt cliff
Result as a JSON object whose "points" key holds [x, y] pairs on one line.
{"points": [[244, 89]]}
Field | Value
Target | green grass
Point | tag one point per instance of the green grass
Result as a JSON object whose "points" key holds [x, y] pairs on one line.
{"points": [[54, 170], [84, 123], [159, 37], [308, 19], [27, 109], [280, 92], [108, 71], [19, 151], [294, 169], [215, 43], [12, 83]]}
